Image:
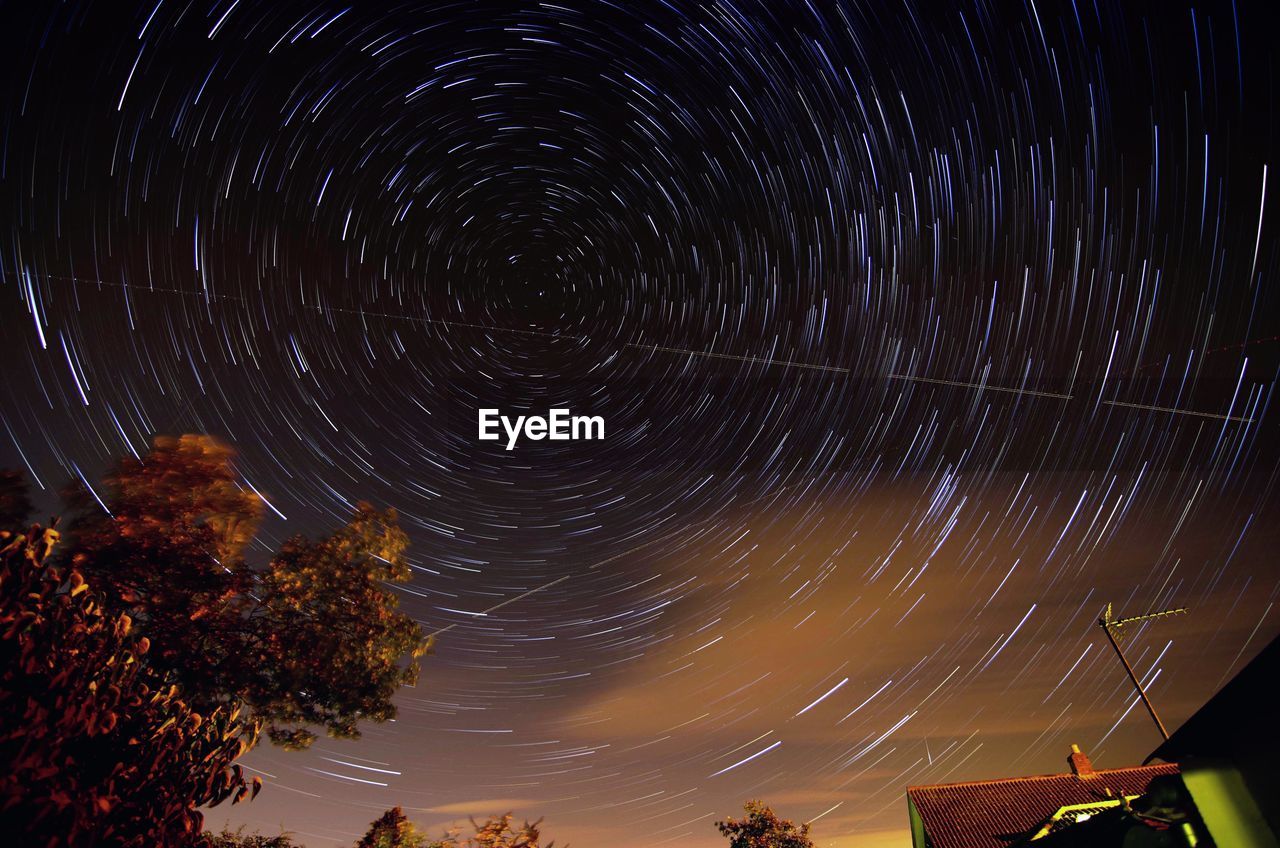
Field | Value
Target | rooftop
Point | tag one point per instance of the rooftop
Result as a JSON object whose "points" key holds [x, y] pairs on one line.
{"points": [[1233, 720], [998, 813]]}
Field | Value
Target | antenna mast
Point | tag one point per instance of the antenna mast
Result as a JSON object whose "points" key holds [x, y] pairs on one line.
{"points": [[1111, 626]]}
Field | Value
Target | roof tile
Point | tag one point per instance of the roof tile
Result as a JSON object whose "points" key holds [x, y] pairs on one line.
{"points": [[996, 813]]}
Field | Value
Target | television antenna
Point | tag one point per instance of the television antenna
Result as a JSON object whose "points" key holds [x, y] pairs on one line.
{"points": [[1111, 626]]}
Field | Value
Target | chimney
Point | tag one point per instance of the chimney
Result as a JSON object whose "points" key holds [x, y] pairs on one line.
{"points": [[1079, 762]]}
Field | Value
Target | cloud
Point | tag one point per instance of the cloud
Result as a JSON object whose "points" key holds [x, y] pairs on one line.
{"points": [[482, 807]]}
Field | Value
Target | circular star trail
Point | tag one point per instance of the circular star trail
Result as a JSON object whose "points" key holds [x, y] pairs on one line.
{"points": [[920, 332]]}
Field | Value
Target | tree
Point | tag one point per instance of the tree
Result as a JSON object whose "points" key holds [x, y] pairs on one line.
{"points": [[392, 830], [314, 639], [165, 545], [761, 828], [326, 628], [99, 746], [499, 832], [239, 839]]}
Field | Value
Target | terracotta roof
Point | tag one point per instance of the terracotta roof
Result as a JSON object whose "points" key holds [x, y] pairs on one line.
{"points": [[996, 813]]}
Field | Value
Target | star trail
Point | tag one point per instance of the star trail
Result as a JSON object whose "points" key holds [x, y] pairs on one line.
{"points": [[921, 332]]}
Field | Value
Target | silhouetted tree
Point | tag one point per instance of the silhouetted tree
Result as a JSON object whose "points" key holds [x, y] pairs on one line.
{"points": [[314, 639], [499, 832], [325, 626], [168, 550], [239, 839], [761, 828], [99, 747], [392, 830]]}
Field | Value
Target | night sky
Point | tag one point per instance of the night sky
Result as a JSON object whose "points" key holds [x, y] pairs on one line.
{"points": [[921, 332]]}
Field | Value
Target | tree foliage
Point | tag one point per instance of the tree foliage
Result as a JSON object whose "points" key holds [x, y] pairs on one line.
{"points": [[761, 828], [239, 839], [392, 830], [168, 551], [99, 746], [313, 639], [501, 832], [327, 644], [124, 706]]}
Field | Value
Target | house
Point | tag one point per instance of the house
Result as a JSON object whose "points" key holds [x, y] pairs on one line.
{"points": [[1218, 786], [1017, 810], [1227, 755]]}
